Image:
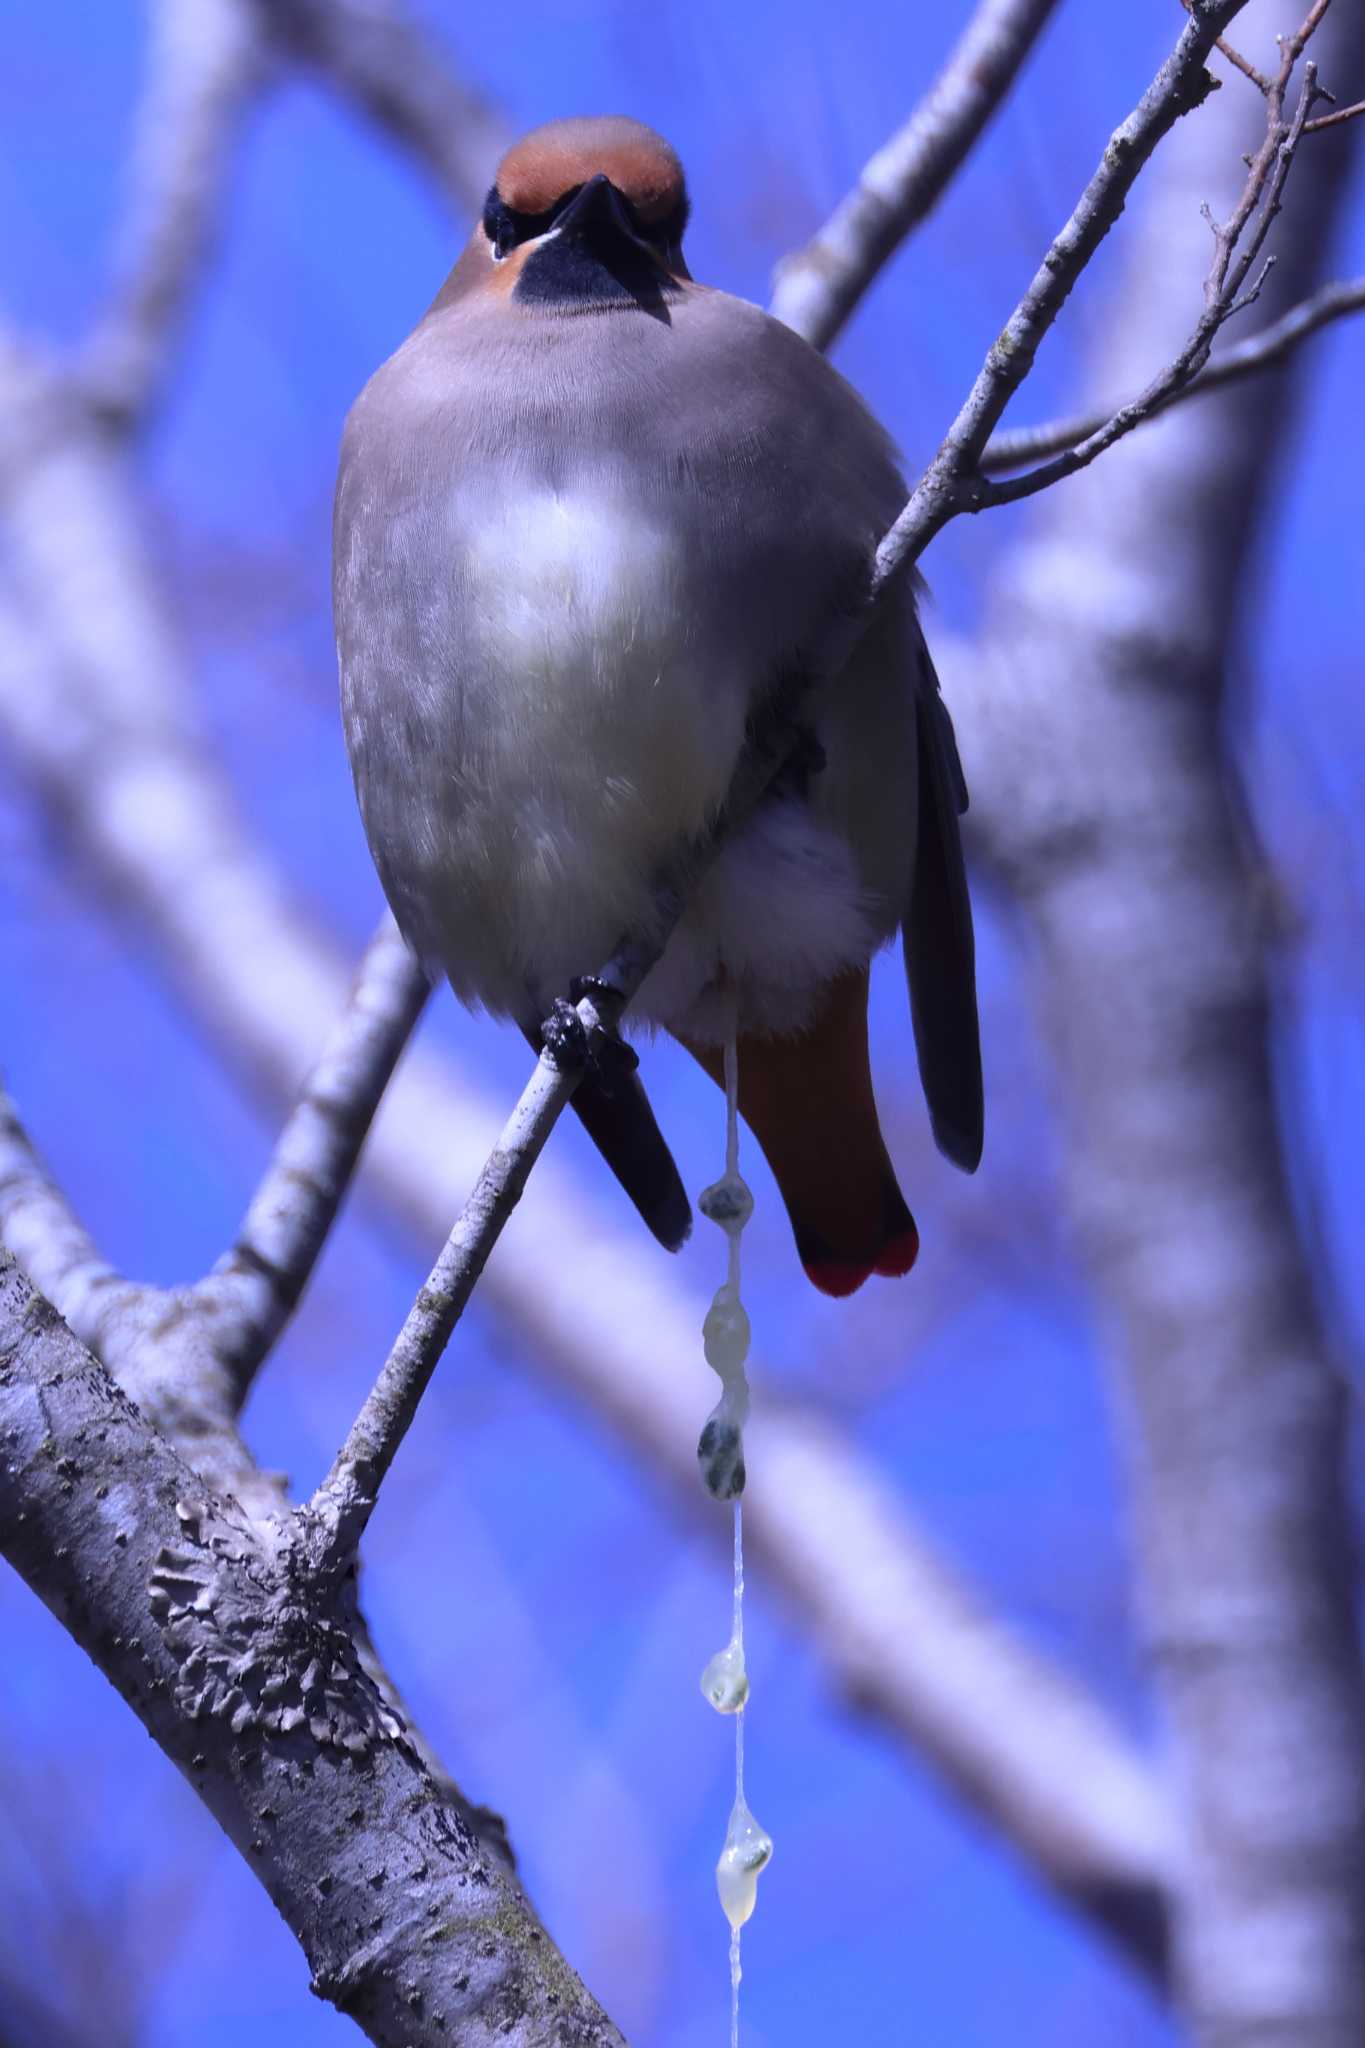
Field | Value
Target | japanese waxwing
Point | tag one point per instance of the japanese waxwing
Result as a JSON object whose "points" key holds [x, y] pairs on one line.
{"points": [[588, 517]]}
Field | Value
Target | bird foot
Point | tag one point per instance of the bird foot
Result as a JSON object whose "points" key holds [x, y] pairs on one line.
{"points": [[573, 1048]]}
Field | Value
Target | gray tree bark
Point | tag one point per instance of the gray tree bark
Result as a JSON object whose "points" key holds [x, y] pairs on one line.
{"points": [[244, 1669]]}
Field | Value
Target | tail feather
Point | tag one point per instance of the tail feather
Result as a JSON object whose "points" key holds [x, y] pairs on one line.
{"points": [[940, 948], [808, 1100], [620, 1122]]}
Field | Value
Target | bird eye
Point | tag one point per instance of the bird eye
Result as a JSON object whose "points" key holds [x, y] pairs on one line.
{"points": [[507, 229]]}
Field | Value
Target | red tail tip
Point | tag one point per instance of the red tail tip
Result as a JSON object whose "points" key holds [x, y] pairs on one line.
{"points": [[838, 1277], [898, 1254]]}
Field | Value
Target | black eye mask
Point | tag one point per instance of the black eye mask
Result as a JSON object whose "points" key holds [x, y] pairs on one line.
{"points": [[506, 228]]}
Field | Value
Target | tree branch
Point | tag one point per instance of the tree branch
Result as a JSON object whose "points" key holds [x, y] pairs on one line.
{"points": [[375, 54], [1226, 289], [1010, 449], [818, 287], [248, 1678], [953, 482], [207, 60], [255, 1287]]}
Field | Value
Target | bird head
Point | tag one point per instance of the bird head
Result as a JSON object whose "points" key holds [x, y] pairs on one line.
{"points": [[583, 214]]}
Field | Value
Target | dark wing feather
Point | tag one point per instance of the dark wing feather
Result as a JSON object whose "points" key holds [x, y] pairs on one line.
{"points": [[940, 951], [621, 1124]]}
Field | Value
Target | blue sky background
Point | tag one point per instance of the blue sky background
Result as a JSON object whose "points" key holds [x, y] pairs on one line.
{"points": [[547, 1613]]}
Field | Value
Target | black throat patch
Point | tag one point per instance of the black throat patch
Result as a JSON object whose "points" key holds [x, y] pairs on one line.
{"points": [[578, 271]]}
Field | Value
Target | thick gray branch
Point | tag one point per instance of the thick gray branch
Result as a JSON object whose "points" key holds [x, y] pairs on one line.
{"points": [[816, 289], [248, 1677]]}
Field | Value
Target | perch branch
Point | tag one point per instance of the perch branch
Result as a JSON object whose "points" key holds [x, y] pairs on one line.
{"points": [[816, 288]]}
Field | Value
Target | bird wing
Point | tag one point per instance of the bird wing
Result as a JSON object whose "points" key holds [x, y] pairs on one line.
{"points": [[940, 950]]}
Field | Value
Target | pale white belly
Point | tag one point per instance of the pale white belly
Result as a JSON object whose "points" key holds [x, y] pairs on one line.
{"points": [[550, 717]]}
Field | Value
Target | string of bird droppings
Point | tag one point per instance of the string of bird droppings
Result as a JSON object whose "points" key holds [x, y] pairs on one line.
{"points": [[720, 1453]]}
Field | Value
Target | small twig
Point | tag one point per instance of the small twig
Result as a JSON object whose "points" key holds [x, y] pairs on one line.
{"points": [[1012, 449], [816, 288], [1334, 120], [255, 1287], [1236, 59], [1238, 242]]}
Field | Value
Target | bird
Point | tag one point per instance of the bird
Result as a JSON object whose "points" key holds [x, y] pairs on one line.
{"points": [[591, 518]]}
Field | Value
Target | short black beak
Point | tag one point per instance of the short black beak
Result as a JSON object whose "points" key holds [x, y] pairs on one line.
{"points": [[597, 214]]}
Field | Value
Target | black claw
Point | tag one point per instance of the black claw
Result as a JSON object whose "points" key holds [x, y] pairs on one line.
{"points": [[564, 1038], [572, 1047], [592, 985]]}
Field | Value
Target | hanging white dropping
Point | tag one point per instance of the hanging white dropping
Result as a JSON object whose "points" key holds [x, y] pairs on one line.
{"points": [[725, 1681], [725, 1333]]}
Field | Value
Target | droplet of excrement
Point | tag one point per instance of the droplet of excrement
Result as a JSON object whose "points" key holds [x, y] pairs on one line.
{"points": [[727, 1202], [725, 1682], [725, 1333], [747, 1851]]}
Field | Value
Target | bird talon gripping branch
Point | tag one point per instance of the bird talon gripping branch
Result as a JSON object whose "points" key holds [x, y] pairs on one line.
{"points": [[565, 1038]]}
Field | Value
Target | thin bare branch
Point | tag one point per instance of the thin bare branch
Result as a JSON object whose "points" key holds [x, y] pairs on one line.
{"points": [[1011, 448], [1226, 288], [1336, 119], [206, 63], [255, 1287], [953, 482], [1237, 60], [818, 287]]}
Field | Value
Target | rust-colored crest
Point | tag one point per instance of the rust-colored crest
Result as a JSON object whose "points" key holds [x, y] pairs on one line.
{"points": [[550, 161]]}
